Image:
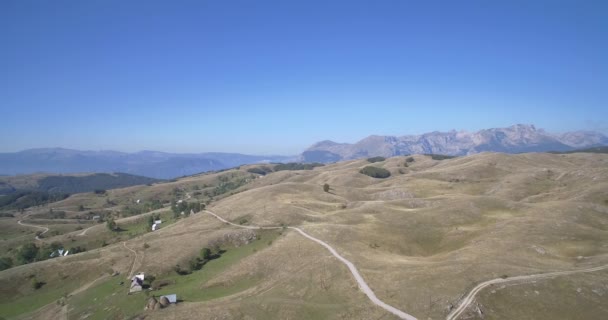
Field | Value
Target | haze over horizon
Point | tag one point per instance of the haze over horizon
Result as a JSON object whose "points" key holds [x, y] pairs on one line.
{"points": [[274, 78]]}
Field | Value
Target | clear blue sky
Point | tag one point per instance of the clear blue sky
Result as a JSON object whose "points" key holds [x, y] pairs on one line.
{"points": [[276, 76]]}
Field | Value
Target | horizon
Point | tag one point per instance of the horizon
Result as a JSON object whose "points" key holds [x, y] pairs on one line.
{"points": [[273, 78], [277, 154]]}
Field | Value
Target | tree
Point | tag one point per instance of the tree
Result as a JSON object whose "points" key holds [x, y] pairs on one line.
{"points": [[150, 221], [326, 187], [111, 224], [27, 253], [80, 208]]}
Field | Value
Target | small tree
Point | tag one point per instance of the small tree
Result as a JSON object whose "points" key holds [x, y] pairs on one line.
{"points": [[36, 284], [150, 221], [326, 187], [111, 224]]}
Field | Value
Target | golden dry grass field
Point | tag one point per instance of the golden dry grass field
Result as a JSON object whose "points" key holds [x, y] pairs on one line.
{"points": [[421, 238]]}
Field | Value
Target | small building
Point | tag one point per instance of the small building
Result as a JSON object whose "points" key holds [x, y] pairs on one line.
{"points": [[154, 227], [158, 221], [137, 283], [66, 253], [96, 217], [137, 201]]}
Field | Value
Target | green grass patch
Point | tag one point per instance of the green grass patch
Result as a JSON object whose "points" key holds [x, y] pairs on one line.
{"points": [[36, 299], [109, 300]]}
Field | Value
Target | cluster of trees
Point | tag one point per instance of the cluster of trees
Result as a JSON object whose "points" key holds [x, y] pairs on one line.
{"points": [[186, 207], [375, 159], [135, 210], [297, 166], [24, 199], [30, 252], [227, 183], [198, 262], [439, 156], [263, 170], [97, 182], [375, 172]]}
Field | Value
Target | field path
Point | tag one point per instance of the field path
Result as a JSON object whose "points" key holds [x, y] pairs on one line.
{"points": [[471, 296], [84, 232], [35, 226], [134, 260], [360, 281]]}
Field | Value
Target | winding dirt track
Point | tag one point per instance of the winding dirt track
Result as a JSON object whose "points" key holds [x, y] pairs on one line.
{"points": [[360, 281], [35, 226], [471, 296], [134, 259]]}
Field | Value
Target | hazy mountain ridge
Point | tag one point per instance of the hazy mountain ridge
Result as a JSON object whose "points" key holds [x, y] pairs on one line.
{"points": [[153, 164], [514, 139]]}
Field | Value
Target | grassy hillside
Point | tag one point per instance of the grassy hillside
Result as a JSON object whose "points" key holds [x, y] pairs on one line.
{"points": [[421, 238]]}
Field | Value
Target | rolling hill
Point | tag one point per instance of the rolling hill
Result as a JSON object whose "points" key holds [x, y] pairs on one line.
{"points": [[421, 238]]}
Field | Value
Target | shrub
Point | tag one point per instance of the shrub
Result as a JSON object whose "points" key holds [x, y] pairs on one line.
{"points": [[409, 159], [206, 253], [326, 187], [37, 284], [376, 159], [375, 172], [100, 191]]}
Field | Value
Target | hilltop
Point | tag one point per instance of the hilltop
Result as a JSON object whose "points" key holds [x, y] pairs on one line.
{"points": [[422, 238]]}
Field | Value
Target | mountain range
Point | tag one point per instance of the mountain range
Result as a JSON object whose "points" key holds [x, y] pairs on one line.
{"points": [[162, 165], [153, 164], [514, 139]]}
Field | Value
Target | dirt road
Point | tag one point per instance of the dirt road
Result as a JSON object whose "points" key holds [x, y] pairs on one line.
{"points": [[471, 296], [34, 226], [351, 267]]}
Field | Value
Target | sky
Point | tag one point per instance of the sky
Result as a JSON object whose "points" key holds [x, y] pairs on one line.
{"points": [[274, 77]]}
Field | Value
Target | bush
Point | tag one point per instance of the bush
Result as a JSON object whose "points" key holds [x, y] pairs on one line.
{"points": [[376, 159], [37, 284], [205, 253], [375, 172], [326, 187], [409, 159], [100, 191]]}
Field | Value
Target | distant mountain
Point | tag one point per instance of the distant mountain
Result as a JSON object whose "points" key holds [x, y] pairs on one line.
{"points": [[153, 164], [515, 139], [70, 183]]}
